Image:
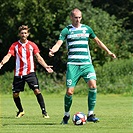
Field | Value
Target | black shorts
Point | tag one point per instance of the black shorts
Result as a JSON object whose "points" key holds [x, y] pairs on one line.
{"points": [[19, 82]]}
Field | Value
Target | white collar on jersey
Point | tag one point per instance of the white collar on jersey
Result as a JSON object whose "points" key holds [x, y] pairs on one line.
{"points": [[76, 27], [23, 44]]}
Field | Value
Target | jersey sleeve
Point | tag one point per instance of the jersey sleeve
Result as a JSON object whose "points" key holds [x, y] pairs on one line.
{"points": [[91, 32], [63, 34], [36, 49], [12, 50]]}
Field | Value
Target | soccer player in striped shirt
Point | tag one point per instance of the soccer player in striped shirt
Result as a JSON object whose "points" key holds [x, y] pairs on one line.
{"points": [[24, 51], [79, 62]]}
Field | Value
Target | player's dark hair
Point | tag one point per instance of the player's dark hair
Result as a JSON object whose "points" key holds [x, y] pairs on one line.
{"points": [[23, 27]]}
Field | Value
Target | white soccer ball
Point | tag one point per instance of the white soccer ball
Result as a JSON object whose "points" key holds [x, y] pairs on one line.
{"points": [[79, 118]]}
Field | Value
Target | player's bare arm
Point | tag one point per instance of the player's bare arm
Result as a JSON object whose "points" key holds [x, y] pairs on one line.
{"points": [[55, 48], [102, 46], [5, 59], [43, 63]]}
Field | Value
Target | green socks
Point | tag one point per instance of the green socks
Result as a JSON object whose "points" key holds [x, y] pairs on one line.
{"points": [[68, 102], [92, 98]]}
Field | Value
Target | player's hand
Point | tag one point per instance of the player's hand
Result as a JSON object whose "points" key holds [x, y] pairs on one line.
{"points": [[1, 65], [49, 69], [112, 55], [51, 53]]}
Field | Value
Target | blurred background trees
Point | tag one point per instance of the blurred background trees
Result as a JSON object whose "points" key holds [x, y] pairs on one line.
{"points": [[111, 21]]}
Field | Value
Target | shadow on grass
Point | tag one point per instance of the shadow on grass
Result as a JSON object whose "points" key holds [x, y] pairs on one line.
{"points": [[25, 123], [29, 124], [7, 117]]}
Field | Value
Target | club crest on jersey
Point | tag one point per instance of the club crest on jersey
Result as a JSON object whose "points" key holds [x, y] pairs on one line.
{"points": [[30, 49], [84, 31]]}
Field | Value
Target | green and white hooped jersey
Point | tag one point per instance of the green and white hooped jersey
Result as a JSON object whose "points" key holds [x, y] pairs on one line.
{"points": [[77, 43]]}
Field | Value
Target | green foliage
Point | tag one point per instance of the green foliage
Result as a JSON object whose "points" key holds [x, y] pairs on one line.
{"points": [[50, 83], [109, 30], [113, 77], [6, 83], [122, 9], [116, 77], [47, 18]]}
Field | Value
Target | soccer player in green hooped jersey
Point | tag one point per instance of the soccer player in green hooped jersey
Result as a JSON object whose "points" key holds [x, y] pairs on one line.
{"points": [[79, 62]]}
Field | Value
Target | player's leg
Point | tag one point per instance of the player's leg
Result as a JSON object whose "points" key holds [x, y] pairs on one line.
{"points": [[72, 78], [90, 77], [41, 102], [67, 105], [17, 101], [18, 85], [33, 83], [91, 96], [92, 101], [68, 100]]}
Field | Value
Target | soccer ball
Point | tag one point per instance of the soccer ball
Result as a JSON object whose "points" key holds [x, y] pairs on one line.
{"points": [[79, 118]]}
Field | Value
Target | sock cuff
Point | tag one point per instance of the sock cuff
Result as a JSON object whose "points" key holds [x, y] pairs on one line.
{"points": [[38, 94], [92, 89], [67, 114], [68, 96]]}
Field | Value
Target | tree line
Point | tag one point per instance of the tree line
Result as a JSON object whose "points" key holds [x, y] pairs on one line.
{"points": [[47, 18]]}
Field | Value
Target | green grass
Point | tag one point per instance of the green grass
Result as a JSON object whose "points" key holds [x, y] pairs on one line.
{"points": [[114, 111]]}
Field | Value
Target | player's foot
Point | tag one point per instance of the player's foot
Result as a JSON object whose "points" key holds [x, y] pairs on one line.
{"points": [[65, 119], [19, 114], [45, 115], [92, 118]]}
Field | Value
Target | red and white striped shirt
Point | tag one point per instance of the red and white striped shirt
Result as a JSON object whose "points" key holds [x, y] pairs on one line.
{"points": [[24, 54]]}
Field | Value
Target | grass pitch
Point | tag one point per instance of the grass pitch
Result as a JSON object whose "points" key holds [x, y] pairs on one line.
{"points": [[114, 111]]}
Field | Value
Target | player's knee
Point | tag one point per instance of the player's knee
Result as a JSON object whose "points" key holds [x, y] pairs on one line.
{"points": [[15, 95], [93, 86], [70, 92], [37, 91]]}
